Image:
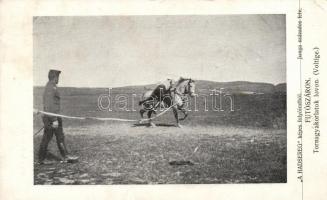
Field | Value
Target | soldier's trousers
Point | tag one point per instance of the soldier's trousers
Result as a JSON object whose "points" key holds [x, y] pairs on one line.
{"points": [[49, 131]]}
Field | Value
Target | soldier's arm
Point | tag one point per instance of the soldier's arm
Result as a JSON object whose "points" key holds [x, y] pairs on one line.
{"points": [[48, 102]]}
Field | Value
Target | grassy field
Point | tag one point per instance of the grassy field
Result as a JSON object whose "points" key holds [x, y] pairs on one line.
{"points": [[126, 154], [244, 146]]}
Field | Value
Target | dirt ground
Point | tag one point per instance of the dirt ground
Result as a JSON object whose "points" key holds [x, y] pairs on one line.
{"points": [[124, 153]]}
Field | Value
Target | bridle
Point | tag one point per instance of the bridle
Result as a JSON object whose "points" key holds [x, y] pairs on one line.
{"points": [[187, 90]]}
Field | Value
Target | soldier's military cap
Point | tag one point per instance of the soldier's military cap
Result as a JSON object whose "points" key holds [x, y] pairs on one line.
{"points": [[53, 73]]}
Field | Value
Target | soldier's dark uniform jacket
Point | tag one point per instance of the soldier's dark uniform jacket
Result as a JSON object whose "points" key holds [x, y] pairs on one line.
{"points": [[51, 98], [160, 91]]}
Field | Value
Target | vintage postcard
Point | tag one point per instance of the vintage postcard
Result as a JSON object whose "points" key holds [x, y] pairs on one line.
{"points": [[163, 100]]}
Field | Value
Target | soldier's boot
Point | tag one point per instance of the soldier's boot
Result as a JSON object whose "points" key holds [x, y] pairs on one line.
{"points": [[67, 157], [63, 150]]}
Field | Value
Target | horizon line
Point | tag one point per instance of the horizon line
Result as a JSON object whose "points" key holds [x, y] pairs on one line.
{"points": [[137, 85]]}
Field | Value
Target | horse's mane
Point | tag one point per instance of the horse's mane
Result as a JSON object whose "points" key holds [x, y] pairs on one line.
{"points": [[181, 83], [181, 80]]}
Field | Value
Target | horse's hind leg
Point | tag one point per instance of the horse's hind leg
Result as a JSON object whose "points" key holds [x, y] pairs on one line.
{"points": [[176, 117], [142, 111], [150, 121]]}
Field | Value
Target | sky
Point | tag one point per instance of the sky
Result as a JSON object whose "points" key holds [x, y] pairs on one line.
{"points": [[113, 51]]}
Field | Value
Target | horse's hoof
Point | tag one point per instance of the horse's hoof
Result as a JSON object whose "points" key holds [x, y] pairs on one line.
{"points": [[179, 126]]}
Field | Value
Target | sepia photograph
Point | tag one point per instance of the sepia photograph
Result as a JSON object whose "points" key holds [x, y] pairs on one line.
{"points": [[159, 99]]}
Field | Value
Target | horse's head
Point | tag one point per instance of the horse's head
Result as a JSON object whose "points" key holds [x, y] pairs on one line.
{"points": [[186, 86]]}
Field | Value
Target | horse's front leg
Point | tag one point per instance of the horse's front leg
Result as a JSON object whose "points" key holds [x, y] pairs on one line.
{"points": [[176, 117], [183, 110]]}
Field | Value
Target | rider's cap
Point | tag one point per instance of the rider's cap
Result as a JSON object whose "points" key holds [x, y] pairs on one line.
{"points": [[53, 73]]}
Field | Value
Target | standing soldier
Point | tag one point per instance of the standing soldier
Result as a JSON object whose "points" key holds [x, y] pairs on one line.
{"points": [[52, 124]]}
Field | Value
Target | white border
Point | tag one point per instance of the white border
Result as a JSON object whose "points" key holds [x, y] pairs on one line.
{"points": [[16, 153]]}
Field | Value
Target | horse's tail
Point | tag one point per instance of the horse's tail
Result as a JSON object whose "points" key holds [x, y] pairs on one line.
{"points": [[141, 102]]}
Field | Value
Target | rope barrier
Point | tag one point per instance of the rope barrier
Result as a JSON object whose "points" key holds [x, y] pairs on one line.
{"points": [[100, 118]]}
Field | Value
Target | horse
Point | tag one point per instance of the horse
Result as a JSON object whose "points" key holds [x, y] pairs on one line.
{"points": [[174, 97]]}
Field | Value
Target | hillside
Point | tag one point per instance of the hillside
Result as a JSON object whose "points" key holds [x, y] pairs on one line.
{"points": [[201, 86], [254, 104]]}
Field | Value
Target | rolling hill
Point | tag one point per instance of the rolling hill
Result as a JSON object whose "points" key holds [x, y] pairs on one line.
{"points": [[201, 86]]}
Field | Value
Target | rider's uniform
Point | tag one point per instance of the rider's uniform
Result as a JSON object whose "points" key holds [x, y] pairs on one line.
{"points": [[164, 88]]}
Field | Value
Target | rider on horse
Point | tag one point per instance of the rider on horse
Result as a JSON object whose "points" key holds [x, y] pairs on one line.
{"points": [[170, 95], [164, 88]]}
